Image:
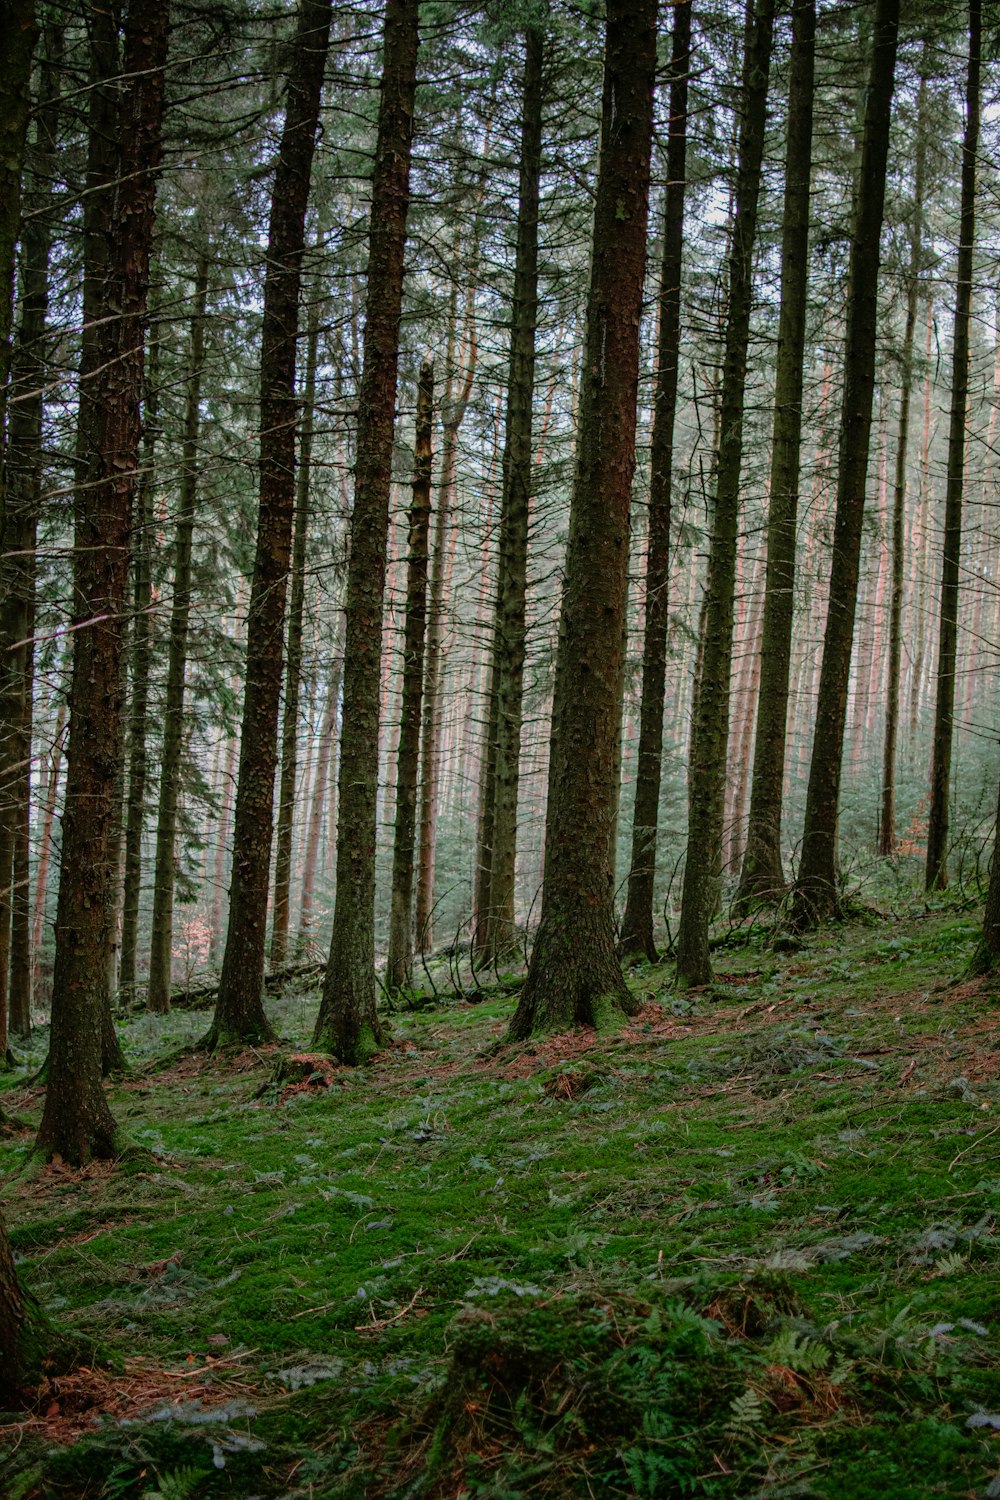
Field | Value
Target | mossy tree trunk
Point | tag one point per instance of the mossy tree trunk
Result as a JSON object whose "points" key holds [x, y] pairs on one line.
{"points": [[574, 976], [293, 666], [15, 1317], [239, 1011], [161, 936], [347, 1024], [816, 886], [936, 874], [399, 964], [497, 845], [710, 731], [637, 924], [77, 1123], [762, 875], [986, 958]]}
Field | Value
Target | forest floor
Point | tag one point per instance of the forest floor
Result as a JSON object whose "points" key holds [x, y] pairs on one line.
{"points": [[746, 1247]]}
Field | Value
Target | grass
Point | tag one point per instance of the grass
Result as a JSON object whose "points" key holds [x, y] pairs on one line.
{"points": [[745, 1247]]}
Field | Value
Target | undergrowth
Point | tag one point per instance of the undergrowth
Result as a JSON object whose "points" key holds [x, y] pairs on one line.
{"points": [[745, 1247]]}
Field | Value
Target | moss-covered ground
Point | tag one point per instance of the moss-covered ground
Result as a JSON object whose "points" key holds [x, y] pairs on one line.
{"points": [[746, 1247]]}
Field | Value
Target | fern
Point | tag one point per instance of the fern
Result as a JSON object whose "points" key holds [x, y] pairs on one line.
{"points": [[179, 1484], [949, 1265], [799, 1352], [746, 1412]]}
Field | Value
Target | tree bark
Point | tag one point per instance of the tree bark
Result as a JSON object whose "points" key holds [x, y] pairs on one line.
{"points": [[77, 1123], [324, 755], [399, 964], [142, 640], [574, 976], [497, 857], [161, 937], [347, 1024], [637, 924], [293, 667], [710, 733], [18, 32], [816, 887], [986, 958], [944, 713], [239, 1013], [887, 821]]}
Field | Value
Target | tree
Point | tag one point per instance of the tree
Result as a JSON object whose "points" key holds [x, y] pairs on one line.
{"points": [[160, 947], [17, 1334], [944, 711], [574, 976], [17, 44], [497, 857], [637, 923], [986, 958], [762, 875], [710, 733], [77, 1123], [399, 963], [347, 1024], [816, 887], [887, 821], [239, 1011]]}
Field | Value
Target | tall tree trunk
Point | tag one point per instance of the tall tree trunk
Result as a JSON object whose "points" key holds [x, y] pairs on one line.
{"points": [[18, 32], [77, 1123], [239, 1011], [816, 888], [637, 925], [574, 976], [986, 957], [20, 1344], [497, 845], [887, 823], [142, 639], [293, 667], [453, 409], [944, 714], [23, 480], [762, 875], [160, 944], [347, 1024], [399, 965], [710, 736]]}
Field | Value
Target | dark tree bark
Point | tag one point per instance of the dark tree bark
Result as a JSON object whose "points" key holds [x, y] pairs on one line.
{"points": [[944, 712], [17, 44], [399, 964], [347, 1024], [496, 864], [762, 875], [710, 733], [23, 479], [160, 945], [18, 1335], [293, 668], [816, 887], [239, 1012], [141, 651], [77, 1123], [324, 757], [887, 822], [637, 925], [574, 976]]}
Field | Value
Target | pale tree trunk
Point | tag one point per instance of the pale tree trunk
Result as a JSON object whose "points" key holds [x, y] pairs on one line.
{"points": [[710, 732], [497, 845], [321, 781], [347, 1023], [574, 976], [239, 1012], [816, 887], [762, 874], [944, 715], [399, 965], [77, 1123], [161, 937], [293, 666], [49, 794]]}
